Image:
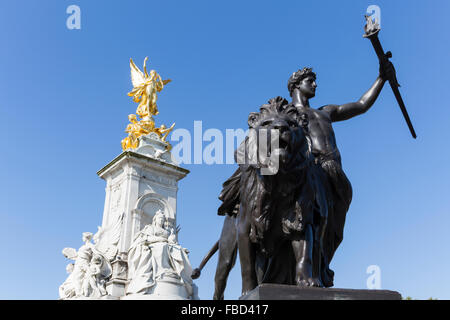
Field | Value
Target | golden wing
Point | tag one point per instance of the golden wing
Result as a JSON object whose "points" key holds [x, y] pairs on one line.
{"points": [[137, 77], [166, 81]]}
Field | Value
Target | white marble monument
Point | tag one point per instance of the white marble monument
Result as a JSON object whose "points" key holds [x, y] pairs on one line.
{"points": [[135, 254]]}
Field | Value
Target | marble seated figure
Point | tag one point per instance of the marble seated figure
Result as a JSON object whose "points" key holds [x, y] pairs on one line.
{"points": [[155, 255]]}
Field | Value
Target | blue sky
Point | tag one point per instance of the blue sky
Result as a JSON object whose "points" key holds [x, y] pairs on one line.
{"points": [[64, 108]]}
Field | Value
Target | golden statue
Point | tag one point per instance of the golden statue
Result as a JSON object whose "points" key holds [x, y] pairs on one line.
{"points": [[163, 132], [134, 130], [145, 89]]}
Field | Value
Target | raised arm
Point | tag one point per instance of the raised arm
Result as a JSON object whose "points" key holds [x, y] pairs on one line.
{"points": [[352, 109]]}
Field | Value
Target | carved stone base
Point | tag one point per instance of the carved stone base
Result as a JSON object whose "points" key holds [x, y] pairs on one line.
{"points": [[116, 287], [163, 290], [270, 291], [108, 297]]}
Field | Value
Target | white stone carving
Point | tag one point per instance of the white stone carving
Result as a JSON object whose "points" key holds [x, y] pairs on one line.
{"points": [[158, 267], [92, 267], [152, 146], [139, 183]]}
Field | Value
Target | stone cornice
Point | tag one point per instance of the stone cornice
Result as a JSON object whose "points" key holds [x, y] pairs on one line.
{"points": [[144, 160]]}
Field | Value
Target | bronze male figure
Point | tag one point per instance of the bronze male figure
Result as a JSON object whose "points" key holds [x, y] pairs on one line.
{"points": [[302, 87]]}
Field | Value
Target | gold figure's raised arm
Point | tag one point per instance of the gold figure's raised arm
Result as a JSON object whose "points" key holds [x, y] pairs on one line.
{"points": [[145, 67]]}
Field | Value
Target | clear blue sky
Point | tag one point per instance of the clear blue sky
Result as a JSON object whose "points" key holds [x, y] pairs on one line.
{"points": [[64, 108]]}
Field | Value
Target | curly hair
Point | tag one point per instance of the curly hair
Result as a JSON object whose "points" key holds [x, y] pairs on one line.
{"points": [[298, 76]]}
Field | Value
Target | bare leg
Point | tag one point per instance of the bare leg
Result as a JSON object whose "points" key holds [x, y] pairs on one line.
{"points": [[227, 256], [317, 252], [246, 255], [303, 257]]}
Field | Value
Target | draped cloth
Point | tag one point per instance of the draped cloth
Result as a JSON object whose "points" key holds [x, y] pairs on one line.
{"points": [[339, 196], [152, 258]]}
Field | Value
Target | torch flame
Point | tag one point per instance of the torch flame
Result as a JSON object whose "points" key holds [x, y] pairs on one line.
{"points": [[372, 26]]}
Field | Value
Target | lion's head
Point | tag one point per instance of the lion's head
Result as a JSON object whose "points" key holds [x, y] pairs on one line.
{"points": [[276, 140], [276, 157]]}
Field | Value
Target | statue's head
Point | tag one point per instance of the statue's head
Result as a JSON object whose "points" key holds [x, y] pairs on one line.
{"points": [[159, 218], [276, 138], [97, 259], [303, 80], [87, 236]]}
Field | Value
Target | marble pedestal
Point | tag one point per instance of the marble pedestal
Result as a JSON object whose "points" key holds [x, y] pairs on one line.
{"points": [[136, 249], [165, 289]]}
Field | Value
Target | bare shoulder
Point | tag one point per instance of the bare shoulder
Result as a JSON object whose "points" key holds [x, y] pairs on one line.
{"points": [[329, 108], [332, 111], [324, 112], [319, 114]]}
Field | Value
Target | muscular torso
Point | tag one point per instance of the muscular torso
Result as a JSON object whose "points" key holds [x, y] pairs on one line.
{"points": [[321, 132]]}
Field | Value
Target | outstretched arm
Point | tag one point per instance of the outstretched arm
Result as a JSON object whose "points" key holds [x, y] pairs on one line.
{"points": [[352, 109]]}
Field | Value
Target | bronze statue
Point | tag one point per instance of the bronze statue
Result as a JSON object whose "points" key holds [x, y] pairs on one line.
{"points": [[276, 215], [287, 227]]}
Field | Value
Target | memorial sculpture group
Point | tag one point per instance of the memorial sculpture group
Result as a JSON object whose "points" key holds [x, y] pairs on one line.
{"points": [[285, 207], [136, 254]]}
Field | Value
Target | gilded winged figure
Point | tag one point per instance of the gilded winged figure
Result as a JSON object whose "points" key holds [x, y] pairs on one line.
{"points": [[146, 87]]}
